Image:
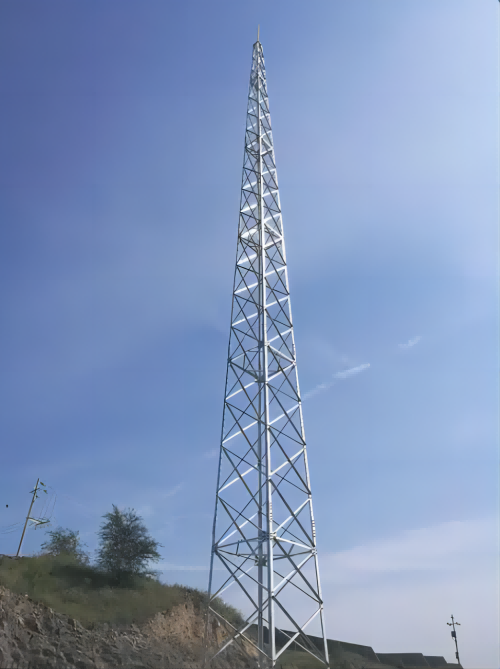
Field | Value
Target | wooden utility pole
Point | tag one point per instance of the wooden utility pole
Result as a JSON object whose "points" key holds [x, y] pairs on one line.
{"points": [[454, 636], [35, 496]]}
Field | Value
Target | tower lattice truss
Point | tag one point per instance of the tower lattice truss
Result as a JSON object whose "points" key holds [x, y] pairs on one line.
{"points": [[264, 555]]}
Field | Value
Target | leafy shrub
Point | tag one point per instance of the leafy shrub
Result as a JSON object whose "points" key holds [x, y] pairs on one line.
{"points": [[126, 547], [65, 542]]}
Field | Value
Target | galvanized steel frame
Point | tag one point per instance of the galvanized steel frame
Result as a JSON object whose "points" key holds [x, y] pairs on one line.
{"points": [[267, 513]]}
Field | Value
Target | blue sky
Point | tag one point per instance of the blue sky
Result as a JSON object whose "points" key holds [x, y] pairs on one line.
{"points": [[121, 146]]}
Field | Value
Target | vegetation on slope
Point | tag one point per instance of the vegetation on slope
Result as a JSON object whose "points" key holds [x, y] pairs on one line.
{"points": [[91, 595], [119, 587]]}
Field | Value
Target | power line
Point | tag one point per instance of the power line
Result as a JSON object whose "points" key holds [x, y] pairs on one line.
{"points": [[44, 517], [37, 521]]}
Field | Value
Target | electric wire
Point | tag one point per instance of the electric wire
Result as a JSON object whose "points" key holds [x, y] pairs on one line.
{"points": [[46, 514]]}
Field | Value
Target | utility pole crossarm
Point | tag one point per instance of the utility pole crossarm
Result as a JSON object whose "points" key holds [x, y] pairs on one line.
{"points": [[28, 516], [37, 521], [454, 637]]}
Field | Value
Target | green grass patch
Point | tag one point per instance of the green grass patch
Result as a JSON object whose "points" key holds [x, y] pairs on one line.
{"points": [[92, 596], [298, 659]]}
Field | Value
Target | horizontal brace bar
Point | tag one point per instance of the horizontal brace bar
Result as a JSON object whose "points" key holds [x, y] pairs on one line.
{"points": [[247, 259], [242, 290], [278, 353], [290, 460], [282, 299], [280, 335], [238, 478], [240, 431], [234, 531], [275, 271], [244, 319]]}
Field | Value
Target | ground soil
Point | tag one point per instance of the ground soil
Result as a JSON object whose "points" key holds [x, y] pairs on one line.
{"points": [[34, 636]]}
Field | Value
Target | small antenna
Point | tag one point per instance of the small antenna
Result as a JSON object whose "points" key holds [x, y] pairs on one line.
{"points": [[258, 33]]}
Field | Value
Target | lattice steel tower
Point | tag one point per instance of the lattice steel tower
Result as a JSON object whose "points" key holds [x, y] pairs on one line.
{"points": [[264, 539]]}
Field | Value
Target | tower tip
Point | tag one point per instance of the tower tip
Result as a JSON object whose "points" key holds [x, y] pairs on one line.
{"points": [[258, 32]]}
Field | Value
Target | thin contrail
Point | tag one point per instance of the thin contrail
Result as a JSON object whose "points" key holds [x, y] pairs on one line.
{"points": [[339, 376]]}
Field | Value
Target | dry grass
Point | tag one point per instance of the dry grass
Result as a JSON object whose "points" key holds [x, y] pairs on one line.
{"points": [[92, 596]]}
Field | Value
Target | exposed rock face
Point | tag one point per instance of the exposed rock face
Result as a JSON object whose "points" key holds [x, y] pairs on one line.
{"points": [[33, 635]]}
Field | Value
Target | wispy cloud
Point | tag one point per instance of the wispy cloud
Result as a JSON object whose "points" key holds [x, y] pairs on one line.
{"points": [[339, 376], [441, 547], [410, 343], [318, 389], [347, 373], [173, 491], [419, 577]]}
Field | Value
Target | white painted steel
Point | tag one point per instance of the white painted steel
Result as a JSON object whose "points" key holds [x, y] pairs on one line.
{"points": [[263, 488]]}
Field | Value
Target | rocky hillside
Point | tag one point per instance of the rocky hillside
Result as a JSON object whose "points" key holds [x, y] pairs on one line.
{"points": [[58, 613], [33, 636]]}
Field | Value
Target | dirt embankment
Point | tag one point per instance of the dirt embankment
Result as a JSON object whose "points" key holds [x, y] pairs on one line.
{"points": [[33, 635]]}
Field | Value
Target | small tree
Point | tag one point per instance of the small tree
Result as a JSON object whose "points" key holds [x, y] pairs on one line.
{"points": [[125, 545], [65, 542]]}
